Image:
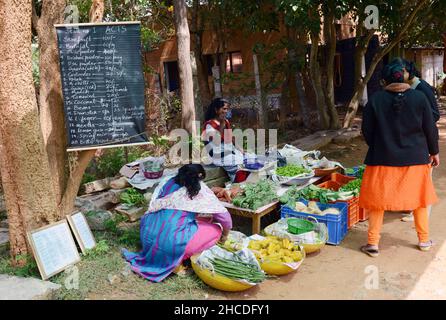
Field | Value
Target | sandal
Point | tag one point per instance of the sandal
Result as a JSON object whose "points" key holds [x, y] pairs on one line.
{"points": [[370, 250], [425, 246]]}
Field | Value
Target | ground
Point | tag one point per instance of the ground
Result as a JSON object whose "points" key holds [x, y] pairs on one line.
{"points": [[337, 272]]}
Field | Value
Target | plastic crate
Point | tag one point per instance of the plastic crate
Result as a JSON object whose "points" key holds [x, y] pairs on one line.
{"points": [[336, 181], [353, 204], [336, 223], [363, 214]]}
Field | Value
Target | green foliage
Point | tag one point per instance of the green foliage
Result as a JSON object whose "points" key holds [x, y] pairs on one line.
{"points": [[101, 248], [133, 197], [35, 64], [26, 266]]}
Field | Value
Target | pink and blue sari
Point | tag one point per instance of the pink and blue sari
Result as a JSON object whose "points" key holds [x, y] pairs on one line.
{"points": [[166, 238]]}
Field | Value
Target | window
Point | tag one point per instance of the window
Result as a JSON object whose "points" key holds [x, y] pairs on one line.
{"points": [[172, 75], [234, 62]]}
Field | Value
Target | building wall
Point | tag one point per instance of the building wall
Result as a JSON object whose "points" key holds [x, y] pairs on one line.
{"points": [[429, 62]]}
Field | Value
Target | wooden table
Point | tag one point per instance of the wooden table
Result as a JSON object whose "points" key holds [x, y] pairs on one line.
{"points": [[254, 215], [259, 213]]}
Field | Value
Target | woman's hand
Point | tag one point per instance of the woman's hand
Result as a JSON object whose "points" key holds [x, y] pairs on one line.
{"points": [[224, 236], [435, 160]]}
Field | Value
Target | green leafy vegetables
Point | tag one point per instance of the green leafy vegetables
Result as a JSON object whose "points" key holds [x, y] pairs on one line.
{"points": [[353, 185], [132, 197], [313, 192], [256, 195], [291, 170]]}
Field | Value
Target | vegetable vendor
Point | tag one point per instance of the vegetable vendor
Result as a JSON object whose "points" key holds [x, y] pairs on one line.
{"points": [[400, 131], [219, 141], [184, 218]]}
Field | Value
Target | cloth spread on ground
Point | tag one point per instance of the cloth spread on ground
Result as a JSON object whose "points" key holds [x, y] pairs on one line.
{"points": [[166, 233]]}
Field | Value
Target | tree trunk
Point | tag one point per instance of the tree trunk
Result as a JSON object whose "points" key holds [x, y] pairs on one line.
{"points": [[330, 38], [52, 118], [315, 74], [353, 105], [184, 66], [24, 165], [202, 71], [96, 13]]}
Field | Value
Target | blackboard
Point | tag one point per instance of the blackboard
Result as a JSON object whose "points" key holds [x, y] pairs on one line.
{"points": [[102, 83]]}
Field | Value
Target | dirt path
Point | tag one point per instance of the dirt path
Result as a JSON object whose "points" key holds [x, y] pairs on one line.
{"points": [[343, 272]]}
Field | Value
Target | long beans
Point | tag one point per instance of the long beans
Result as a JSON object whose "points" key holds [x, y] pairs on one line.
{"points": [[237, 270]]}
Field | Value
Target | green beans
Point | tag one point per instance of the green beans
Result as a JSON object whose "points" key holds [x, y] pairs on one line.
{"points": [[237, 270]]}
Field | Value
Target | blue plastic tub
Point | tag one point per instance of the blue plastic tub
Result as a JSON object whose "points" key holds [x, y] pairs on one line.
{"points": [[336, 223]]}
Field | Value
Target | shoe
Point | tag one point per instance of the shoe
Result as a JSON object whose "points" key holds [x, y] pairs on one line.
{"points": [[425, 246], [370, 250], [408, 218]]}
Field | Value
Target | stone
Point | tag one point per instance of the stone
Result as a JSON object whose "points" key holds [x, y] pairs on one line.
{"points": [[115, 195], [315, 141], [346, 136], [125, 226], [148, 196], [126, 271], [17, 288], [2, 203], [96, 219], [113, 279], [100, 201], [98, 185], [133, 213], [120, 183], [4, 240], [4, 223]]}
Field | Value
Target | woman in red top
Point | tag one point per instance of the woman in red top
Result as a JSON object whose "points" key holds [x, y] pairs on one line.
{"points": [[218, 139]]}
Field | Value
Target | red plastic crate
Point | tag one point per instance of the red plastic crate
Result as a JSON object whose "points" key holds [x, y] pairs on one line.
{"points": [[341, 179], [332, 185], [363, 214], [353, 211]]}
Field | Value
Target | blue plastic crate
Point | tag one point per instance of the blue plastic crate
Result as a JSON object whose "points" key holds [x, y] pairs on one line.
{"points": [[336, 223]]}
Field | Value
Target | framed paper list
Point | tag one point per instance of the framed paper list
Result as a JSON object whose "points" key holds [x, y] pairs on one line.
{"points": [[54, 248], [81, 231]]}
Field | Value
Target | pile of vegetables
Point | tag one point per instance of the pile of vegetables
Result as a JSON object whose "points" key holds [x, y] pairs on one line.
{"points": [[231, 245], [277, 250], [131, 197], [237, 270], [358, 173], [354, 185], [256, 195], [313, 208], [313, 192], [292, 170]]}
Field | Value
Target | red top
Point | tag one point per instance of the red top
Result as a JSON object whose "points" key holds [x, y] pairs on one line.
{"points": [[227, 135]]}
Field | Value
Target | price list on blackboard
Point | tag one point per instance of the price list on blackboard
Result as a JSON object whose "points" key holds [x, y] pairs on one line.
{"points": [[102, 83]]}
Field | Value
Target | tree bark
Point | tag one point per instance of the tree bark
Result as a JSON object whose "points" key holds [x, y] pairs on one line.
{"points": [[96, 13], [184, 66], [330, 40], [24, 165], [202, 71], [353, 105], [315, 74], [52, 118]]}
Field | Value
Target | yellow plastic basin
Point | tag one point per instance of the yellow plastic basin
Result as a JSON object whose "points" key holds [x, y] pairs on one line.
{"points": [[218, 281]]}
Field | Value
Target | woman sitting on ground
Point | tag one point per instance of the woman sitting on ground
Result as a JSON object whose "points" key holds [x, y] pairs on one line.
{"points": [[400, 131], [219, 141], [184, 218]]}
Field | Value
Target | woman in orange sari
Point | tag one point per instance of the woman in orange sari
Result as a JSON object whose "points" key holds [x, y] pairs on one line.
{"points": [[399, 129]]}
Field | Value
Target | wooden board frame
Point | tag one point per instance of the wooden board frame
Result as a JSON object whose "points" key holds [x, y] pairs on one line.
{"points": [[36, 256], [77, 235], [90, 24], [108, 146]]}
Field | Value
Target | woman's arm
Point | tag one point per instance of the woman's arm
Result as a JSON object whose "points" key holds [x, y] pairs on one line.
{"points": [[224, 219], [430, 128], [368, 123]]}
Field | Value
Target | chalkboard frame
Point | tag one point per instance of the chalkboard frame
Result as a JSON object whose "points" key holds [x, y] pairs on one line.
{"points": [[77, 235], [110, 145], [40, 265]]}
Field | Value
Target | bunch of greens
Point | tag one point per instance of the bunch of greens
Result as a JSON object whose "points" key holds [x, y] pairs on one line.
{"points": [[256, 195], [132, 197], [291, 170], [313, 192], [238, 270], [354, 185]]}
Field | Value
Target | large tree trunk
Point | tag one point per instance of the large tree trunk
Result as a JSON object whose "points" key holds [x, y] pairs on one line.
{"points": [[52, 118], [24, 165], [202, 71], [330, 38], [353, 105], [184, 66], [315, 74]]}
